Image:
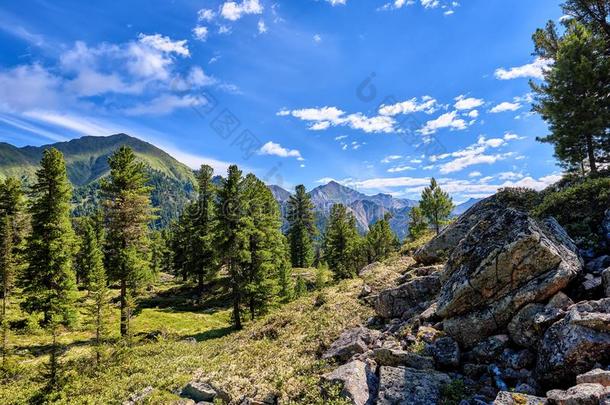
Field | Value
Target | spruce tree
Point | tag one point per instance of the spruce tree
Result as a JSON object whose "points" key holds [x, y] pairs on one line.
{"points": [[381, 240], [342, 243], [302, 228], [418, 223], [127, 210], [202, 225], [97, 284], [232, 239], [436, 205], [49, 283], [12, 228], [266, 245]]}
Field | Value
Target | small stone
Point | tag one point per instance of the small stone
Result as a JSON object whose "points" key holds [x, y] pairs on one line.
{"points": [[592, 283], [446, 352]]}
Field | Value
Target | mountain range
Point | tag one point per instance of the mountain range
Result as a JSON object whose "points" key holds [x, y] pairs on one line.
{"points": [[173, 182]]}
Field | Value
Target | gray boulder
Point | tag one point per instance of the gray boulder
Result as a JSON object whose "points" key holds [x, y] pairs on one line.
{"points": [[514, 398], [446, 353], [408, 299], [596, 376], [582, 394], [503, 264], [575, 344], [199, 391], [402, 386], [529, 324], [358, 382], [488, 350], [606, 282], [350, 342], [597, 265], [396, 357]]}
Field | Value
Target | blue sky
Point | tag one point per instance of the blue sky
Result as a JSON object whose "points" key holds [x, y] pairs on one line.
{"points": [[377, 95]]}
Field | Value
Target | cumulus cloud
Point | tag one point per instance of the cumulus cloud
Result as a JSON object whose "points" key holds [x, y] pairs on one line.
{"points": [[399, 169], [234, 11], [472, 155], [200, 33], [505, 106], [427, 105], [337, 2], [447, 120], [467, 103], [325, 117], [531, 70], [205, 14], [262, 28], [275, 149]]}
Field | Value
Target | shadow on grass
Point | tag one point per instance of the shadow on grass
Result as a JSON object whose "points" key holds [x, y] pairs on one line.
{"points": [[212, 334], [186, 298]]}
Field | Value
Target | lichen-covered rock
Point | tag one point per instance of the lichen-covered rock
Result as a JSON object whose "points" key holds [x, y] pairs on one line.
{"points": [[582, 394], [401, 385], [489, 349], [529, 324], [502, 264], [575, 344], [517, 359], [514, 398], [199, 391], [350, 342], [596, 376], [395, 358], [358, 382], [446, 353], [408, 299]]}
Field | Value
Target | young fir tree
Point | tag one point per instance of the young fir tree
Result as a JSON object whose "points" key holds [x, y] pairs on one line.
{"points": [[436, 205], [302, 228], [12, 228], [381, 240], [418, 224], [232, 239], [573, 98], [49, 283], [342, 243], [93, 265], [180, 246], [202, 224], [127, 209], [266, 245]]}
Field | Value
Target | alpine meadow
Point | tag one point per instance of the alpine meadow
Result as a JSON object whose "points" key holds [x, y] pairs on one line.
{"points": [[263, 202]]}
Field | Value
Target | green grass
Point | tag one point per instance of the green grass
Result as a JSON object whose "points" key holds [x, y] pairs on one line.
{"points": [[278, 354]]}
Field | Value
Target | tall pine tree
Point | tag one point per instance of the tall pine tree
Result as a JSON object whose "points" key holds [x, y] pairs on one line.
{"points": [[436, 205], [418, 224], [302, 228], [381, 240], [232, 239], [127, 209], [342, 243], [49, 283]]}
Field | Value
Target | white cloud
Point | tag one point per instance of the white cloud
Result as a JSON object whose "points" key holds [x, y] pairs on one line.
{"points": [[505, 106], [512, 137], [317, 38], [165, 44], [447, 120], [473, 114], [470, 103], [337, 2], [275, 149], [430, 3], [475, 174], [233, 11], [324, 117], [29, 86], [510, 176], [165, 104], [262, 28], [472, 155], [201, 33], [391, 158], [340, 137], [399, 169], [427, 105], [205, 14], [534, 70]]}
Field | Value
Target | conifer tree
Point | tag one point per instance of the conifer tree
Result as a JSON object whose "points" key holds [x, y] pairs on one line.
{"points": [[127, 210], [202, 224], [381, 240], [266, 245], [49, 283], [97, 284], [11, 236], [417, 223], [232, 239], [342, 243], [302, 228], [436, 205]]}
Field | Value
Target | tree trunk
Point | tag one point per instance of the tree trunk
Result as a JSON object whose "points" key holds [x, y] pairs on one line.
{"points": [[200, 283], [236, 305], [591, 154], [124, 309], [4, 326]]}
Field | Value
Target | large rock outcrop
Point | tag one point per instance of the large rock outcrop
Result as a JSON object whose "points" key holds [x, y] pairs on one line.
{"points": [[507, 260], [357, 381], [350, 342], [575, 344], [408, 299]]}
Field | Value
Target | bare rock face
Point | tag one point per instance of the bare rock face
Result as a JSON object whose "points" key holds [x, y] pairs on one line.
{"points": [[408, 299], [528, 326], [506, 261], [351, 342], [575, 344], [513, 398], [401, 385], [582, 394], [358, 382]]}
